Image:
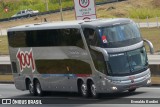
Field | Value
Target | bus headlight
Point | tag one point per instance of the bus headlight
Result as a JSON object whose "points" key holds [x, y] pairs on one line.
{"points": [[114, 88]]}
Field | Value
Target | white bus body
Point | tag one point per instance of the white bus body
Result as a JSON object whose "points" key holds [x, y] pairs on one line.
{"points": [[89, 57]]}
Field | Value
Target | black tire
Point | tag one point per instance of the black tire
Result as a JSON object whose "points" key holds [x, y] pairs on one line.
{"points": [[31, 88], [83, 90], [38, 88], [132, 90], [92, 90]]}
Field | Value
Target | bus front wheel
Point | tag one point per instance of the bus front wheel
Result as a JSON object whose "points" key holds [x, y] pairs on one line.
{"points": [[83, 89], [93, 90], [31, 88]]}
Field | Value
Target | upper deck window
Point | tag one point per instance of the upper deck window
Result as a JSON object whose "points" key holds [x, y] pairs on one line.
{"points": [[46, 38]]}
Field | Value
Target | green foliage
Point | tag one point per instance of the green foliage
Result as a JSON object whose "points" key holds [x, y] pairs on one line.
{"points": [[143, 13], [16, 5]]}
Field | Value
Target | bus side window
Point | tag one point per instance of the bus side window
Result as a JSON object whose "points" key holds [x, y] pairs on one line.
{"points": [[31, 38], [91, 37], [71, 37], [77, 38], [97, 57], [45, 38]]}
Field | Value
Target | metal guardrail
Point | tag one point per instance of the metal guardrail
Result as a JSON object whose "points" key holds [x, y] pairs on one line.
{"points": [[55, 11]]}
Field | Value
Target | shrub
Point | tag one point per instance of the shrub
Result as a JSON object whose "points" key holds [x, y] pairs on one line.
{"points": [[143, 13]]}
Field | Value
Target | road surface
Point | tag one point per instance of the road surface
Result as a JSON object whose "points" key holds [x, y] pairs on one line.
{"points": [[74, 100], [9, 90]]}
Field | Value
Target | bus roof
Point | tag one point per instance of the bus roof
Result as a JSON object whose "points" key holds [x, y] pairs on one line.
{"points": [[70, 24]]}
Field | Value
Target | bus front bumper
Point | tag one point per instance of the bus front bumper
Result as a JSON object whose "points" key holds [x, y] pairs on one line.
{"points": [[120, 84]]}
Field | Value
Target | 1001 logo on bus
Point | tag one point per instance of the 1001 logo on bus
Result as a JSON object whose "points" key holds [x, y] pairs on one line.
{"points": [[26, 60]]}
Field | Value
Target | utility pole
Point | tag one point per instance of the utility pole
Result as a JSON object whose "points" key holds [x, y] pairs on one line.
{"points": [[46, 2], [60, 5]]}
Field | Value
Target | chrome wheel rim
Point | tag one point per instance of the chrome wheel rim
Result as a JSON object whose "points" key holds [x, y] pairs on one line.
{"points": [[38, 88], [31, 88], [93, 89], [84, 89]]}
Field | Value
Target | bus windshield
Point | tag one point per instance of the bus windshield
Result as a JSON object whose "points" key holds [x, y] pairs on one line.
{"points": [[118, 33], [128, 62]]}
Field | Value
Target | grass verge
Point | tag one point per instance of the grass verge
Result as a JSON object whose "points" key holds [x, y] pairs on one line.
{"points": [[6, 78], [152, 34], [3, 45]]}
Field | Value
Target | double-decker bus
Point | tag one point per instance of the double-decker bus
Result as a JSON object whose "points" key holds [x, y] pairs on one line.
{"points": [[89, 57]]}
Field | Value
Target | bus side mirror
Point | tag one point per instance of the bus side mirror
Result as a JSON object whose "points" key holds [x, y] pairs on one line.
{"points": [[149, 43], [103, 51]]}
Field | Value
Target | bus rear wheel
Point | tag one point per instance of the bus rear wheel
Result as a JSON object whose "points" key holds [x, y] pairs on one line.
{"points": [[38, 88]]}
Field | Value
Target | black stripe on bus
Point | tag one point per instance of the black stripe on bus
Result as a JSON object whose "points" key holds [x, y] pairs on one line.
{"points": [[66, 66]]}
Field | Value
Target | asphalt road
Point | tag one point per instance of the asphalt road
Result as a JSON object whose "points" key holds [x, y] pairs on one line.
{"points": [[9, 91]]}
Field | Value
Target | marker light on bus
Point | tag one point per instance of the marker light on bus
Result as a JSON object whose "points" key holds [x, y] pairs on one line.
{"points": [[149, 81], [107, 79]]}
